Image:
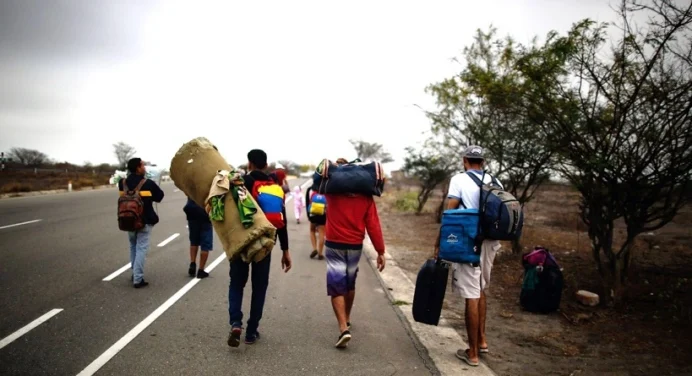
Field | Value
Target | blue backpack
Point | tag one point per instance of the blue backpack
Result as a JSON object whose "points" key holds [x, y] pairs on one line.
{"points": [[459, 235], [501, 216]]}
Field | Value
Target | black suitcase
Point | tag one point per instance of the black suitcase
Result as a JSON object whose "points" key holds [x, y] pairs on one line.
{"points": [[429, 295]]}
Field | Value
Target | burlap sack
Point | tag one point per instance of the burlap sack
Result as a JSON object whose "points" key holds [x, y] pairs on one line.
{"points": [[192, 170]]}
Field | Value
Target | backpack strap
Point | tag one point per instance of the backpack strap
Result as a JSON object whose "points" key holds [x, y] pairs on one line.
{"points": [[139, 186], [475, 178]]}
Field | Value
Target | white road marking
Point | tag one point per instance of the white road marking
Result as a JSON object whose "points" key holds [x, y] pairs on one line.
{"points": [[139, 328], [170, 239], [176, 190], [9, 339], [118, 272], [20, 224]]}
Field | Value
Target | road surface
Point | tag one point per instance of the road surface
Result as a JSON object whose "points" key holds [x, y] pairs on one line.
{"points": [[60, 317]]}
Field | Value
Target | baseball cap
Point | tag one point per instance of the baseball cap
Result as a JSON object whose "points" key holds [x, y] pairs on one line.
{"points": [[473, 151]]}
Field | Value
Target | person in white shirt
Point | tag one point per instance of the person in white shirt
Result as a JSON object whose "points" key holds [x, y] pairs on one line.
{"points": [[471, 280]]}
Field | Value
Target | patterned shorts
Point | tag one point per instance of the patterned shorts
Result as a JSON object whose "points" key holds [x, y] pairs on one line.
{"points": [[342, 270]]}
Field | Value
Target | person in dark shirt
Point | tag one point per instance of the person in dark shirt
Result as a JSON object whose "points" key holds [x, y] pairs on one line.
{"points": [[139, 240], [257, 162], [201, 234]]}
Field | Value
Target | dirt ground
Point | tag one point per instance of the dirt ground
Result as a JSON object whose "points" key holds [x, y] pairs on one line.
{"points": [[649, 334], [27, 181]]}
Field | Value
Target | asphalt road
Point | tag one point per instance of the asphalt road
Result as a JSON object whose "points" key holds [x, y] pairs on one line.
{"points": [[56, 266]]}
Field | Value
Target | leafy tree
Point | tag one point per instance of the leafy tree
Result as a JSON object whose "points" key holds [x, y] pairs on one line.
{"points": [[622, 120], [485, 104], [123, 153], [28, 157], [431, 168], [367, 151]]}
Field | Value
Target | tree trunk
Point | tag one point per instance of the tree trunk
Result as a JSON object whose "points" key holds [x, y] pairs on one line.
{"points": [[516, 246], [422, 199]]}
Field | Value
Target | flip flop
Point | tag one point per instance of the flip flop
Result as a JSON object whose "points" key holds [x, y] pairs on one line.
{"points": [[483, 350], [461, 354]]}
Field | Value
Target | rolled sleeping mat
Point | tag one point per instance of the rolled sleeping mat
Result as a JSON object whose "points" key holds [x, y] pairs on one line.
{"points": [[355, 177], [193, 169]]}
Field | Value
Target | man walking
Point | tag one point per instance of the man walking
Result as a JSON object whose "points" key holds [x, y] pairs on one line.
{"points": [[350, 215], [257, 162], [201, 235], [139, 240], [471, 281]]}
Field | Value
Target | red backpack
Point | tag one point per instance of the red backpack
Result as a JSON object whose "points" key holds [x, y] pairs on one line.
{"points": [[270, 197], [131, 208]]}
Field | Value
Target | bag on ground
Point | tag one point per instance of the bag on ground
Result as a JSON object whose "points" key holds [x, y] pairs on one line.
{"points": [[501, 214], [354, 177], [459, 236], [541, 290], [429, 295]]}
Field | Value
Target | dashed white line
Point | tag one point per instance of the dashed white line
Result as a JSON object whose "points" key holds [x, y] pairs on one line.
{"points": [[118, 272], [170, 239], [139, 328], [20, 224], [12, 337]]}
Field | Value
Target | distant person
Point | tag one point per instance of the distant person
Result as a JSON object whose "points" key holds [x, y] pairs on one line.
{"points": [[298, 202], [316, 205], [201, 234], [469, 280], [139, 240], [256, 177], [350, 215]]}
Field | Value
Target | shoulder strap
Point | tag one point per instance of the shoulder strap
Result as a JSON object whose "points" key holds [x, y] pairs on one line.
{"points": [[473, 177], [139, 186]]}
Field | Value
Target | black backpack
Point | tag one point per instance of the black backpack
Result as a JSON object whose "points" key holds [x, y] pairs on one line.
{"points": [[541, 290]]}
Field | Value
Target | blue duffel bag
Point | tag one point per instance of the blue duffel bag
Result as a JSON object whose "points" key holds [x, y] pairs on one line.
{"points": [[458, 236], [354, 177]]}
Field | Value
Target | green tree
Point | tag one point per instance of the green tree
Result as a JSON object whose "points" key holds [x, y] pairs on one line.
{"points": [[621, 121], [367, 151], [430, 167]]}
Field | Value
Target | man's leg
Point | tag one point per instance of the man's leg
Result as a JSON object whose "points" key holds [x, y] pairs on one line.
{"points": [[482, 307], [472, 328], [313, 240], [337, 289], [350, 297], [207, 244], [193, 253], [141, 255], [339, 306], [352, 261], [260, 282], [320, 249], [132, 237], [238, 275], [193, 232]]}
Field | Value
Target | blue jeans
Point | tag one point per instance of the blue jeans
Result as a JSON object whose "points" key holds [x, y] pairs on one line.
{"points": [[139, 246], [260, 280]]}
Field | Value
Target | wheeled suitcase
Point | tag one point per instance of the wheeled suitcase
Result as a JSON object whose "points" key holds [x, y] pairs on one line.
{"points": [[429, 295]]}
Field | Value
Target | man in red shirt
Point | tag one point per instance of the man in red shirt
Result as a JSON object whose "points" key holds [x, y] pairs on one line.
{"points": [[349, 217]]}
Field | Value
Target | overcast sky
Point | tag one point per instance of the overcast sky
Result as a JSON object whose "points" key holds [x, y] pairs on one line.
{"points": [[295, 78]]}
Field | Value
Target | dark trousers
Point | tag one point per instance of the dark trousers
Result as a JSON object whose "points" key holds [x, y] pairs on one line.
{"points": [[260, 280]]}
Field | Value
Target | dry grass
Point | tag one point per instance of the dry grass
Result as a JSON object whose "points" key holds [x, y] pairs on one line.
{"points": [[27, 181], [652, 330]]}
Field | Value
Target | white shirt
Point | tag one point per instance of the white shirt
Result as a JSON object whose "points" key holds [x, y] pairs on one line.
{"points": [[463, 188]]}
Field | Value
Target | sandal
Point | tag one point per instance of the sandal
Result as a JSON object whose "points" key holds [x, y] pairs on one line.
{"points": [[463, 355]]}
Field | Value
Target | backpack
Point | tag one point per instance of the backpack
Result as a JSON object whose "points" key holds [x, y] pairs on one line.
{"points": [[459, 236], [501, 216], [131, 208], [541, 290], [318, 204], [270, 197]]}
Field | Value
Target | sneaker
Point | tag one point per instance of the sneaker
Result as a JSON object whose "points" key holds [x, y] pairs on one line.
{"points": [[320, 257], [343, 340], [141, 284], [313, 254], [234, 337], [251, 339], [202, 274], [192, 270]]}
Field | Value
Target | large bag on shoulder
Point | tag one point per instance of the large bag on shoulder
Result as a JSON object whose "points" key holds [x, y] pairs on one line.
{"points": [[355, 177], [270, 197], [131, 208], [501, 215], [459, 236], [429, 295], [541, 290]]}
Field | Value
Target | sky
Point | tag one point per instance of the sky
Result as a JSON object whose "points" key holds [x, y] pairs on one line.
{"points": [[298, 79]]}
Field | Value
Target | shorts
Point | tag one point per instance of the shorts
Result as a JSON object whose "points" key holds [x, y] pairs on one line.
{"points": [[201, 234], [342, 270], [319, 220], [468, 280]]}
